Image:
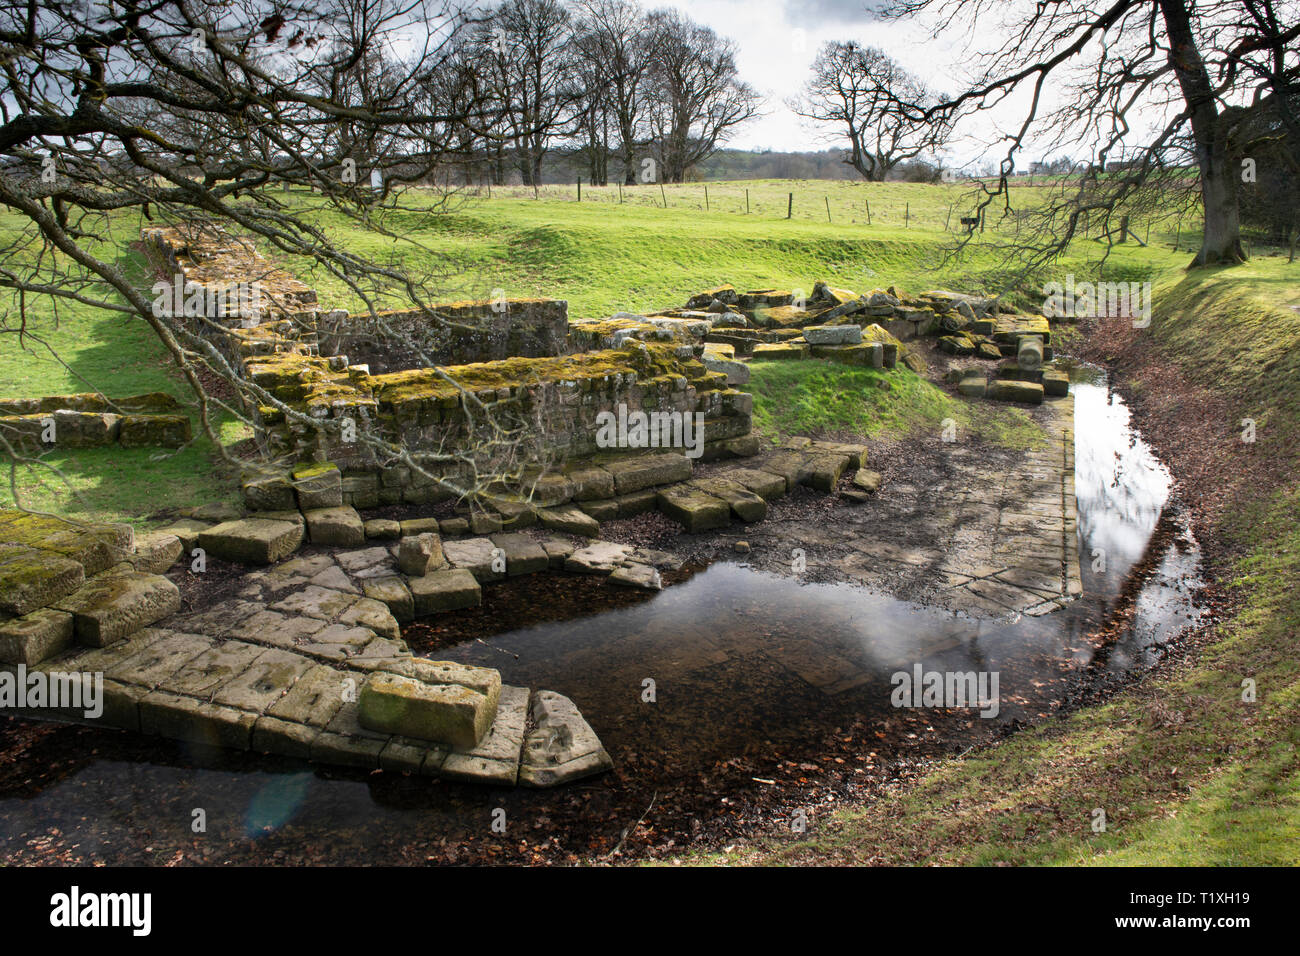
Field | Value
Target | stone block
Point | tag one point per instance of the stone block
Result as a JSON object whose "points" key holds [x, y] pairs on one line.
{"points": [[382, 529], [36, 636], [569, 520], [393, 593], [1010, 390], [523, 555], [599, 557], [156, 552], [444, 591], [339, 527], [160, 431], [693, 509], [833, 334], [252, 540], [31, 578], [449, 713], [318, 486], [648, 471], [116, 604], [561, 746], [418, 555]]}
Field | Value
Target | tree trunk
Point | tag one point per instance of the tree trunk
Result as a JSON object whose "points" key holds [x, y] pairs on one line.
{"points": [[1221, 242]]}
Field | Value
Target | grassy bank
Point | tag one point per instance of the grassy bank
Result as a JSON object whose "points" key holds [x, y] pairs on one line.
{"points": [[821, 399], [600, 255], [1187, 771]]}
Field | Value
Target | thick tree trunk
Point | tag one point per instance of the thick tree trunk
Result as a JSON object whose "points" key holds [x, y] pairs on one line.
{"points": [[1221, 243], [1222, 239]]}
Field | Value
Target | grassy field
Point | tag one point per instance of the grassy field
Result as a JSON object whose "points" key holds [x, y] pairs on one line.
{"points": [[604, 257], [820, 399], [601, 256]]}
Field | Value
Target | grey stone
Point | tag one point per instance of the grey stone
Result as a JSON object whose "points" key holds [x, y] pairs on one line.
{"points": [[450, 704], [339, 526], [156, 552], [116, 604], [523, 555], [445, 591], [637, 576], [495, 758], [383, 529], [569, 520], [833, 334], [252, 540], [561, 747], [419, 554], [393, 593], [36, 636], [599, 557], [32, 578]]}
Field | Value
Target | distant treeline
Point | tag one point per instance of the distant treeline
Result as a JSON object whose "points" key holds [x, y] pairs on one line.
{"points": [[728, 164]]}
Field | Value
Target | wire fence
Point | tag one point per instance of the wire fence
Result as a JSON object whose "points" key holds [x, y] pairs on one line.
{"points": [[942, 208]]}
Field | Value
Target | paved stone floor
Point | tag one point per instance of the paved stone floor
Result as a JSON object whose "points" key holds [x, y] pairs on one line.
{"points": [[277, 665], [988, 532]]}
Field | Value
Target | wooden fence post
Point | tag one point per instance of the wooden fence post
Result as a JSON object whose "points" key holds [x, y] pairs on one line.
{"points": [[706, 198], [746, 202], [828, 208], [789, 207], [664, 195]]}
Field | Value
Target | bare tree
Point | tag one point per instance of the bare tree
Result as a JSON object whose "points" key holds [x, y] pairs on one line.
{"points": [[188, 112], [698, 98], [1170, 88], [875, 103], [621, 45], [532, 62]]}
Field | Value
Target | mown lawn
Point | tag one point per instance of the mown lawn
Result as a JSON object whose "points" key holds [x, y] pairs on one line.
{"points": [[822, 399]]}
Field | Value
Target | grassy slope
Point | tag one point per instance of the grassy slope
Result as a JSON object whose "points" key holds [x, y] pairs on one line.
{"points": [[1187, 772], [78, 348], [605, 258], [600, 256], [822, 399]]}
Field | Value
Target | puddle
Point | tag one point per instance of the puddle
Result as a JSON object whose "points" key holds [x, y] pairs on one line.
{"points": [[732, 663]]}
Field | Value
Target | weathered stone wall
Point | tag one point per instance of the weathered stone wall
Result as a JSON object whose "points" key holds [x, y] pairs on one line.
{"points": [[555, 401], [90, 420], [456, 334], [338, 369]]}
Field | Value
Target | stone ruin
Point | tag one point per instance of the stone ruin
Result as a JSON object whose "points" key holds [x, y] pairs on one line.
{"points": [[263, 669], [90, 420]]}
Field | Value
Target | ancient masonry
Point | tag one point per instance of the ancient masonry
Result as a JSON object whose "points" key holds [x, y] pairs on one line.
{"points": [[306, 659], [89, 420]]}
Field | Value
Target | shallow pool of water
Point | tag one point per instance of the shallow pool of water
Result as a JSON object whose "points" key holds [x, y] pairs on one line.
{"points": [[730, 662]]}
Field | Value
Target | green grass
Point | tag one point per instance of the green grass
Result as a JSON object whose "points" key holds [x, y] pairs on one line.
{"points": [[70, 347], [822, 399], [601, 256], [1188, 772]]}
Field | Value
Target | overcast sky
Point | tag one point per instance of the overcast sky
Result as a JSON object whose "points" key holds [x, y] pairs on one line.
{"points": [[778, 39]]}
